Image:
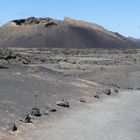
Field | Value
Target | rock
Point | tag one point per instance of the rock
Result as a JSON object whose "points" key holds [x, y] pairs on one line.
{"points": [[63, 103], [50, 108], [105, 91], [45, 112], [25, 62], [31, 20], [96, 96], [14, 22], [35, 112], [50, 23], [115, 90], [82, 100], [7, 54], [11, 127], [26, 118]]}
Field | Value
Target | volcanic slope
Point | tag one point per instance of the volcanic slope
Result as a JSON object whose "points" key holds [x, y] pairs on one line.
{"points": [[51, 33]]}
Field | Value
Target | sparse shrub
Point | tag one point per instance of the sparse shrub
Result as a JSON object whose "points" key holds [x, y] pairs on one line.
{"points": [[33, 69], [3, 64]]}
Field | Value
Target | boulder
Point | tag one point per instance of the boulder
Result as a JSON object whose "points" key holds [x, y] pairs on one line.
{"points": [[35, 112], [63, 103], [12, 127], [26, 118], [104, 91]]}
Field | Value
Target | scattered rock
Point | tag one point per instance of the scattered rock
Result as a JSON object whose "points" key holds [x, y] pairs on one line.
{"points": [[82, 100], [26, 118], [63, 103], [104, 91], [7, 54], [50, 108], [11, 127], [35, 112], [50, 23], [25, 62], [45, 112], [31, 20], [3, 64], [96, 96], [115, 90], [102, 68], [33, 69]]}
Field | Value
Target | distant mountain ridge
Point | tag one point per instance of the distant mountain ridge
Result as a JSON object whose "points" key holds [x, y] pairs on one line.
{"points": [[52, 33], [134, 39]]}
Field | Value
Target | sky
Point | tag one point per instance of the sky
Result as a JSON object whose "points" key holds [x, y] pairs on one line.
{"points": [[121, 16]]}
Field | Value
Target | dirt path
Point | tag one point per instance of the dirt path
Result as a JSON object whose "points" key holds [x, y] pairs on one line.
{"points": [[112, 119]]}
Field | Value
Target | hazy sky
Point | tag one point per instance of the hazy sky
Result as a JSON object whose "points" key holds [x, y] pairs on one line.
{"points": [[117, 15]]}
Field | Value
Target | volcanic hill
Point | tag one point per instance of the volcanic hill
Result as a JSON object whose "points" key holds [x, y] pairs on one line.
{"points": [[51, 33]]}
